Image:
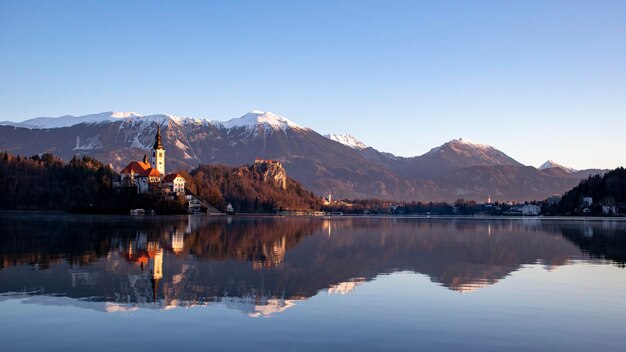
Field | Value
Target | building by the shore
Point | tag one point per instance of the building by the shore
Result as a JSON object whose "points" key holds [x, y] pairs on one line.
{"points": [[149, 176]]}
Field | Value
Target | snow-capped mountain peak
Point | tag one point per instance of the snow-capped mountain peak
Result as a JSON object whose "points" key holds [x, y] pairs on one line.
{"points": [[551, 164], [251, 121], [346, 139], [123, 115], [256, 118], [70, 120], [461, 145], [467, 142]]}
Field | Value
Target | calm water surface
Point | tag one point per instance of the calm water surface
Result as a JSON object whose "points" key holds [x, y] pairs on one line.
{"points": [[70, 282]]}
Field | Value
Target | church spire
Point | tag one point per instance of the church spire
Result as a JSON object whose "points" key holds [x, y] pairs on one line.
{"points": [[158, 153], [157, 139]]}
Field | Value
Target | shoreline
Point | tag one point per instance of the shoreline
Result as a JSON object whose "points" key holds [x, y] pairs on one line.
{"points": [[345, 216]]}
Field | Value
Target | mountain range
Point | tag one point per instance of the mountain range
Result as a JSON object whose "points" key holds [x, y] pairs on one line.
{"points": [[335, 163]]}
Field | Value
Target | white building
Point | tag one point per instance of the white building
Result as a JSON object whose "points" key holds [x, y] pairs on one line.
{"points": [[609, 210], [175, 183], [555, 199], [531, 209]]}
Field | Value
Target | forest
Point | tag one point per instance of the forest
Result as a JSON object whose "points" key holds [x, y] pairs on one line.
{"points": [[608, 189], [47, 183], [247, 190], [84, 184]]}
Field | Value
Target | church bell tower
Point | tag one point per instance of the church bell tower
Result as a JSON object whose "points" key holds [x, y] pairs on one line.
{"points": [[158, 153]]}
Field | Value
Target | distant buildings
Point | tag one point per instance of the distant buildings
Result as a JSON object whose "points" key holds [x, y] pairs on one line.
{"points": [[609, 210], [554, 200], [150, 176], [531, 210], [195, 205], [524, 209], [585, 205]]}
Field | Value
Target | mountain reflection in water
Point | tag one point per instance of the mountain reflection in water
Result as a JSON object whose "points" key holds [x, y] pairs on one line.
{"points": [[262, 266]]}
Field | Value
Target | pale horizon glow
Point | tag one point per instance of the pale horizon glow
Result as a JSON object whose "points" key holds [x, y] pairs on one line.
{"points": [[537, 80]]}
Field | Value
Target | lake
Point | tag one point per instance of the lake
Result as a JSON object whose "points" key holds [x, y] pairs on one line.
{"points": [[109, 283]]}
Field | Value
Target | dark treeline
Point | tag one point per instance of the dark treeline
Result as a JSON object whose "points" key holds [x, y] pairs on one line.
{"points": [[609, 190], [47, 183], [606, 190], [459, 207], [247, 190], [84, 184]]}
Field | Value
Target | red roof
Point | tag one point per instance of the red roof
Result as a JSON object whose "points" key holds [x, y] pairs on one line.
{"points": [[151, 172], [171, 177], [136, 167]]}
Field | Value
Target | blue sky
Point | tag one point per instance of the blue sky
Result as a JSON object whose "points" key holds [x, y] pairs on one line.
{"points": [[537, 79]]}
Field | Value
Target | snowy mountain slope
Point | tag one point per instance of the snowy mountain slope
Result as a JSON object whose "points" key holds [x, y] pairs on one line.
{"points": [[252, 120], [346, 139], [69, 120], [551, 164], [256, 119]]}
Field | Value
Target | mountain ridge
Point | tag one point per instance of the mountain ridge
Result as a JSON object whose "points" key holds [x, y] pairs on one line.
{"points": [[307, 155]]}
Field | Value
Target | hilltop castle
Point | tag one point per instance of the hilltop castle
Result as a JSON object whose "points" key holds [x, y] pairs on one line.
{"points": [[271, 171], [150, 176]]}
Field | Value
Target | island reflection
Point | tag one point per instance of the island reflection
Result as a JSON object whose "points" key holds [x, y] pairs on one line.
{"points": [[265, 265]]}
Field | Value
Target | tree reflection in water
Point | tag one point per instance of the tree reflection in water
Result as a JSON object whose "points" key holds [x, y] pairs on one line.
{"points": [[264, 265]]}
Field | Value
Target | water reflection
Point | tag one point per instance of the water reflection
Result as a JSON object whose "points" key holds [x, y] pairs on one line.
{"points": [[263, 266]]}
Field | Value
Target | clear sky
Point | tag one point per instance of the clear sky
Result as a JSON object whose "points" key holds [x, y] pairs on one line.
{"points": [[537, 79]]}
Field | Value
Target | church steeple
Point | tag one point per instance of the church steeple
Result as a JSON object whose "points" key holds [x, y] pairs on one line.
{"points": [[157, 139], [158, 153]]}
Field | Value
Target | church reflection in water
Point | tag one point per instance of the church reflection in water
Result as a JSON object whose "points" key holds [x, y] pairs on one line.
{"points": [[262, 266]]}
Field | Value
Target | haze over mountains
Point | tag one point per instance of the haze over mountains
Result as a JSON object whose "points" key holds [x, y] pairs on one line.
{"points": [[337, 163]]}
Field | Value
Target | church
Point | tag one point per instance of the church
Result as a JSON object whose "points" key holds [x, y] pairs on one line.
{"points": [[149, 176]]}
